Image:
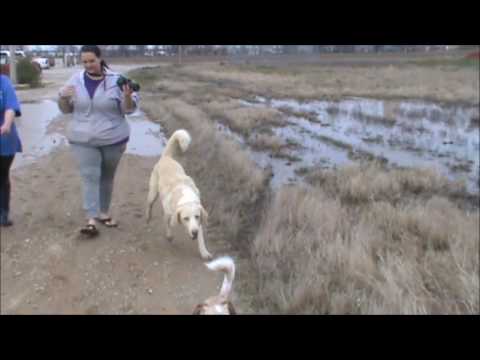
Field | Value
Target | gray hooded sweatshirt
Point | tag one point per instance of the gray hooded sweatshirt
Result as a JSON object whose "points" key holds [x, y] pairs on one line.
{"points": [[98, 121]]}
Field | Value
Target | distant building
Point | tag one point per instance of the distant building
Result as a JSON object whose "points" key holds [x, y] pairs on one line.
{"points": [[364, 48], [41, 50], [306, 49]]}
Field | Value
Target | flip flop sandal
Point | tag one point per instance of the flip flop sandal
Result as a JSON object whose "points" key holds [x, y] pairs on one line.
{"points": [[89, 230], [5, 221], [107, 222]]}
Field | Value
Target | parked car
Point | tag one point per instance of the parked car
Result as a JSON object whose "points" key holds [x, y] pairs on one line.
{"points": [[18, 53], [5, 61], [43, 62], [5, 56]]}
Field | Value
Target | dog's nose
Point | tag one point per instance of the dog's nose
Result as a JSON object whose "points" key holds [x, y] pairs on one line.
{"points": [[194, 234]]}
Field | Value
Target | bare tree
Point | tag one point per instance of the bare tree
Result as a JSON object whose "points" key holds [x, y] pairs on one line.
{"points": [[123, 50], [141, 50]]}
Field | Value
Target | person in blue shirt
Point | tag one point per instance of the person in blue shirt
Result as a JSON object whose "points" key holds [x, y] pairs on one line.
{"points": [[10, 143]]}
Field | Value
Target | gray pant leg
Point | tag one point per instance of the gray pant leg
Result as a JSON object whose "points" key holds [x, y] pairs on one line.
{"points": [[89, 162], [111, 156]]}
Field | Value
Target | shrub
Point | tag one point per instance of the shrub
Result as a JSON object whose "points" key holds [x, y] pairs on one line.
{"points": [[28, 73]]}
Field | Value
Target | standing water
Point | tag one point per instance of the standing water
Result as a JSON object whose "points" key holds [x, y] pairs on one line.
{"points": [[401, 133]]}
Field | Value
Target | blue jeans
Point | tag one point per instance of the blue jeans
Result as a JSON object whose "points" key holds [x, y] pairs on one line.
{"points": [[5, 164], [97, 168]]}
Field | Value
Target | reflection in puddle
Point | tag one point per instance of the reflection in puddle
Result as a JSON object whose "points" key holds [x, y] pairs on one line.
{"points": [[146, 137], [404, 133]]}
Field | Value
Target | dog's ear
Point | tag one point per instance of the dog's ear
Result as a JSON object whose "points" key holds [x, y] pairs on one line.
{"points": [[198, 309], [203, 216], [178, 217]]}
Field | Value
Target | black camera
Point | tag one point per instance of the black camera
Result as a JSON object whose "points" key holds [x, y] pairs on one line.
{"points": [[122, 80]]}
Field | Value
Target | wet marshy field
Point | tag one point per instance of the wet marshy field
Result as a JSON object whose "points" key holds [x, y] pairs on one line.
{"points": [[312, 134], [399, 133]]}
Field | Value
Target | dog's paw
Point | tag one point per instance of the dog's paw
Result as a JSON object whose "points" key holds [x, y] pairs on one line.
{"points": [[169, 238], [207, 256]]}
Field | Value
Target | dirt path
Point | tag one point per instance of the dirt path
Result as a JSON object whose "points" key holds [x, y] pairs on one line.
{"points": [[46, 268]]}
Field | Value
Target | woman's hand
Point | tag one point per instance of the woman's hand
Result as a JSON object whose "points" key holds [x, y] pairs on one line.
{"points": [[127, 90], [5, 129], [8, 121], [128, 104], [68, 92]]}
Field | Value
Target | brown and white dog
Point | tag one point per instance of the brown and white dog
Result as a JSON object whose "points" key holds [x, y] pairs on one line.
{"points": [[220, 304], [179, 196]]}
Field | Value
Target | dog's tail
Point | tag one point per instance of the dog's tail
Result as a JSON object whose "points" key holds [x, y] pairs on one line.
{"points": [[227, 266], [180, 137]]}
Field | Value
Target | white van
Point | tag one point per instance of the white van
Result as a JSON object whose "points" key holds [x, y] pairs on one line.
{"points": [[43, 62], [6, 54]]}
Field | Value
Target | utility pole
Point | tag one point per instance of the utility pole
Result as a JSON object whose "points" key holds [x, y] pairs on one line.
{"points": [[13, 63], [180, 54], [64, 55]]}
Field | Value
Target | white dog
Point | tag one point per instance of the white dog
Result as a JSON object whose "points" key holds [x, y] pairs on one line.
{"points": [[179, 196], [220, 305]]}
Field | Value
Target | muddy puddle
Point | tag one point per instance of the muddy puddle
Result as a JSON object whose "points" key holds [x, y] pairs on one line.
{"points": [[35, 124], [146, 137], [32, 128], [399, 133]]}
